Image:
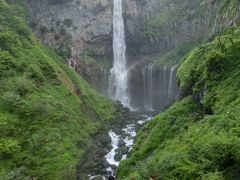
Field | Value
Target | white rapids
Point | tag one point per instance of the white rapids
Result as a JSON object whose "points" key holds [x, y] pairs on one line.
{"points": [[111, 154], [127, 137]]}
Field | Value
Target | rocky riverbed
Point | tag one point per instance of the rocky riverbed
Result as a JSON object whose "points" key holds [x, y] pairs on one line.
{"points": [[121, 145]]}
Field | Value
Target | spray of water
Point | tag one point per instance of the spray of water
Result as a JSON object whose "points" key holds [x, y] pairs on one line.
{"points": [[118, 81]]}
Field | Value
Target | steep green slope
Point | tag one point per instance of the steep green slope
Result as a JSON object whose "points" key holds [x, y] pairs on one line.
{"points": [[199, 136], [47, 112]]}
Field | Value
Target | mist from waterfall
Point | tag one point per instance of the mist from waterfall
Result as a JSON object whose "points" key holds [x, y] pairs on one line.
{"points": [[148, 85], [160, 87], [172, 84], [118, 80]]}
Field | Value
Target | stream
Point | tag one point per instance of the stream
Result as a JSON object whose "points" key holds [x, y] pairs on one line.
{"points": [[121, 146]]}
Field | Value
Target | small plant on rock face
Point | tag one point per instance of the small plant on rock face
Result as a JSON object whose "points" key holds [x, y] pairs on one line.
{"points": [[58, 23], [43, 29], [68, 22], [52, 30], [62, 31]]}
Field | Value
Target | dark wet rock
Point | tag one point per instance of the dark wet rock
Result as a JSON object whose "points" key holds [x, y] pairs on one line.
{"points": [[111, 178], [97, 178], [94, 159], [121, 143], [118, 157], [105, 164], [124, 150], [113, 167], [108, 174]]}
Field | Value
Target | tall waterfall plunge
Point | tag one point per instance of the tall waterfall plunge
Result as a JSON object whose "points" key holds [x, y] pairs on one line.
{"points": [[118, 80]]}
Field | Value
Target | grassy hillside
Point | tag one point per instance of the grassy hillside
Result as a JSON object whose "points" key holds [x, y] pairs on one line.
{"points": [[47, 112], [199, 136]]}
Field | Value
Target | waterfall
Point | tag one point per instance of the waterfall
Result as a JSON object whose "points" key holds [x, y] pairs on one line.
{"points": [[159, 91], [150, 84], [148, 87], [72, 63], [111, 154], [118, 81], [103, 81], [171, 84]]}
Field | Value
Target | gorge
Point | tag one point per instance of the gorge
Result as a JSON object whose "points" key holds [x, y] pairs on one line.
{"points": [[123, 89], [94, 61]]}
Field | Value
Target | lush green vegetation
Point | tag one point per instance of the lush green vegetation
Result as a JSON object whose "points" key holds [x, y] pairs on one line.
{"points": [[228, 13], [47, 112], [174, 56], [199, 136]]}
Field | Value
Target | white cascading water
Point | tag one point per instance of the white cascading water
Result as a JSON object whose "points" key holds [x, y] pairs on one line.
{"points": [[128, 135], [118, 81], [165, 86], [148, 85], [111, 154], [171, 83]]}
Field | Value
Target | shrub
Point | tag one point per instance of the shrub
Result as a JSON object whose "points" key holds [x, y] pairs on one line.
{"points": [[10, 101], [9, 42], [24, 31], [9, 148]]}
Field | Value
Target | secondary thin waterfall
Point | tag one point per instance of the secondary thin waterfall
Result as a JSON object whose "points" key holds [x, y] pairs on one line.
{"points": [[148, 85], [172, 84], [118, 81], [160, 87]]}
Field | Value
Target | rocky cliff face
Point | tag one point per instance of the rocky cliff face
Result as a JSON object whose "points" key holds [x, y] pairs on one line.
{"points": [[151, 25], [157, 26], [73, 25], [227, 16], [78, 28]]}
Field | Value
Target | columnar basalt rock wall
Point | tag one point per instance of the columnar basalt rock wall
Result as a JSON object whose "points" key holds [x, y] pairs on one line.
{"points": [[73, 24], [155, 89], [156, 26]]}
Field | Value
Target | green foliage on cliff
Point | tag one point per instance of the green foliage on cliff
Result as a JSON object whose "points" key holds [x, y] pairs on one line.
{"points": [[174, 56], [224, 14], [228, 14], [198, 137], [47, 112], [173, 13]]}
